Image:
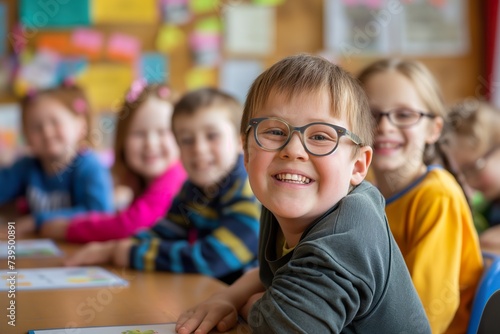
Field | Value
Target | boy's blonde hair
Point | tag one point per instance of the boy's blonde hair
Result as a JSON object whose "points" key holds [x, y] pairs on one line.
{"points": [[307, 74], [425, 84], [132, 102], [476, 120], [71, 96], [203, 98]]}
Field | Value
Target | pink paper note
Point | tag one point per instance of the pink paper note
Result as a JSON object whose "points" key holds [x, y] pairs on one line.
{"points": [[123, 47]]}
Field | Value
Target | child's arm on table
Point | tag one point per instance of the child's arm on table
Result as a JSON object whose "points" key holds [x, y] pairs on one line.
{"points": [[114, 251], [24, 226], [55, 229], [221, 310]]}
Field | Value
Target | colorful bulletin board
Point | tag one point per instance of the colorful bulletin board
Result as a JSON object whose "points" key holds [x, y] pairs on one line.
{"points": [[227, 43]]}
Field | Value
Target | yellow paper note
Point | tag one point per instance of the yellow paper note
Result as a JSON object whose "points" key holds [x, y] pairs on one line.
{"points": [[204, 6], [125, 11], [198, 77], [211, 24], [268, 2], [105, 85], [170, 38]]}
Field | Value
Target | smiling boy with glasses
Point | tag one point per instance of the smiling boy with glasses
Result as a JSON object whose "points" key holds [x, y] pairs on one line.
{"points": [[328, 262]]}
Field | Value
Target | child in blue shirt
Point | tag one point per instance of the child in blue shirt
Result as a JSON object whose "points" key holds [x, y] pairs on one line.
{"points": [[62, 176]]}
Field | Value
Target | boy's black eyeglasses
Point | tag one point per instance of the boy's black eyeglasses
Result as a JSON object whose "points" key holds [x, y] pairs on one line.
{"points": [[401, 117], [473, 169], [318, 138]]}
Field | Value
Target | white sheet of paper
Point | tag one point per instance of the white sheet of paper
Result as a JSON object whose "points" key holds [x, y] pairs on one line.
{"points": [[415, 28], [30, 248], [357, 29], [132, 329], [236, 76], [250, 29], [429, 29], [59, 278]]}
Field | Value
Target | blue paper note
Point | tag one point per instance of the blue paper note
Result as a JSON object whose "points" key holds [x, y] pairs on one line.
{"points": [[70, 68], [42, 14], [3, 28], [154, 67]]}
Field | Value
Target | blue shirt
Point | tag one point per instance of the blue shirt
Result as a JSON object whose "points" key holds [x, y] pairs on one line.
{"points": [[84, 185]]}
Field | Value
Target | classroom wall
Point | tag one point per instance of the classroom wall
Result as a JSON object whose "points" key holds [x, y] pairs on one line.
{"points": [[299, 28]]}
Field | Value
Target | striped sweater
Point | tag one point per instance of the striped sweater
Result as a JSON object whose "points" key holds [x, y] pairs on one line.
{"points": [[214, 233]]}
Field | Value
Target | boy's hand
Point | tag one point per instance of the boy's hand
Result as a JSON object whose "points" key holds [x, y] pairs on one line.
{"points": [[55, 229], [93, 253], [214, 312]]}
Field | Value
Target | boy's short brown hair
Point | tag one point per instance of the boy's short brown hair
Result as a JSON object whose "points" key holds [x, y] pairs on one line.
{"points": [[303, 73], [476, 120], [202, 98]]}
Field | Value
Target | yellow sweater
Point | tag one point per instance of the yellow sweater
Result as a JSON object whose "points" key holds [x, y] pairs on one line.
{"points": [[433, 227]]}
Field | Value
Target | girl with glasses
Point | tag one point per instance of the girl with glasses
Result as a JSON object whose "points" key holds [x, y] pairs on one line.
{"points": [[427, 211], [473, 140]]}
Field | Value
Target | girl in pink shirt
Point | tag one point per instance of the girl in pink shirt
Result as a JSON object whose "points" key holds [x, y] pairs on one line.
{"points": [[146, 161]]}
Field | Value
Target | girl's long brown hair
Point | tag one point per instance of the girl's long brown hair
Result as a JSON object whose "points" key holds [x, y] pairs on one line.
{"points": [[120, 169]]}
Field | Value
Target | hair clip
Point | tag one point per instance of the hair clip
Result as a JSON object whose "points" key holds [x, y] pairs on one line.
{"points": [[80, 105], [136, 89], [163, 92]]}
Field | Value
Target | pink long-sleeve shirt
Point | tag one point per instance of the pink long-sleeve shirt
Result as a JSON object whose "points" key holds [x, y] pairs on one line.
{"points": [[143, 212]]}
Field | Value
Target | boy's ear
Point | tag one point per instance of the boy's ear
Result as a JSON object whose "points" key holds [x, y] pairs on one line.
{"points": [[362, 162], [245, 151], [435, 130]]}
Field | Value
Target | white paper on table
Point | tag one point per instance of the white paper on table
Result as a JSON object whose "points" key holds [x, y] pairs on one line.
{"points": [[30, 248], [59, 278], [132, 329]]}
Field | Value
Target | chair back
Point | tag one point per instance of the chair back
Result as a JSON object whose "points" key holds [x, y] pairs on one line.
{"points": [[485, 315]]}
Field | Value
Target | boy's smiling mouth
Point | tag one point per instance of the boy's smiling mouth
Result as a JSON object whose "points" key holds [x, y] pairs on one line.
{"points": [[292, 178]]}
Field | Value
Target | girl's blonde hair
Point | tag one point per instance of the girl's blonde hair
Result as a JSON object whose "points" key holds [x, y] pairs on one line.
{"points": [[133, 100], [426, 86], [70, 96], [430, 93], [307, 74], [477, 121]]}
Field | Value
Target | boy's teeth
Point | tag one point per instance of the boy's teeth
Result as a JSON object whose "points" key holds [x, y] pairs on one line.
{"points": [[293, 178], [386, 145]]}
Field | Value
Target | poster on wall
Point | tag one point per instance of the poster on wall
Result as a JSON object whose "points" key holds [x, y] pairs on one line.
{"points": [[381, 27], [359, 27], [244, 36], [434, 28]]}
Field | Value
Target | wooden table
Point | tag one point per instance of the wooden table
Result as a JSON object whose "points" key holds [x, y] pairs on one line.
{"points": [[149, 298]]}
